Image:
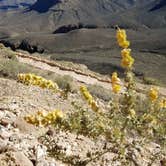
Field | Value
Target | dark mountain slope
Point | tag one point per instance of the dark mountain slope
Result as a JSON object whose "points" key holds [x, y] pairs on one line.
{"points": [[51, 15], [42, 6], [159, 5], [43, 22]]}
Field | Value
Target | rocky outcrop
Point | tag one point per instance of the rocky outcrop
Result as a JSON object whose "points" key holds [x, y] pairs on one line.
{"points": [[23, 45], [68, 28]]}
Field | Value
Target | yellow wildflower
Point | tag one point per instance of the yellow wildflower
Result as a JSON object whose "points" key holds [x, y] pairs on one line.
{"points": [[127, 59], [124, 44], [94, 106], [59, 114], [126, 52], [114, 78], [86, 94], [115, 83], [88, 97], [162, 103], [51, 85], [153, 94], [121, 34], [43, 119], [127, 62], [116, 88], [32, 79], [122, 38]]}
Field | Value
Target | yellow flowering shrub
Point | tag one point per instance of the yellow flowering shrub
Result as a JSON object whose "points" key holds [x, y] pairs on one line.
{"points": [[126, 52], [162, 103], [114, 78], [116, 87], [122, 38], [127, 60], [32, 79], [42, 118], [153, 94], [127, 114], [147, 117], [88, 97]]}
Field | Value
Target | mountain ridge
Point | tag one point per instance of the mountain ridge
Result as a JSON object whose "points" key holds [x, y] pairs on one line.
{"points": [[64, 21]]}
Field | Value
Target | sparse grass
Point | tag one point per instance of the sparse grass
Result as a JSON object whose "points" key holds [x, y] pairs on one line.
{"points": [[63, 81], [10, 68], [85, 122], [8, 53], [2, 46], [151, 81], [100, 92]]}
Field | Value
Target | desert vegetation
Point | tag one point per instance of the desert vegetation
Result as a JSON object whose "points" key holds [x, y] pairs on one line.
{"points": [[128, 119]]}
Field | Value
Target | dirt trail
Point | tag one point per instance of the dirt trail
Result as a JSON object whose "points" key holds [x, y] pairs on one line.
{"points": [[76, 74], [56, 68]]}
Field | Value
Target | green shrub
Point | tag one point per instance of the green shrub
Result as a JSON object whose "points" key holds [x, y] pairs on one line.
{"points": [[8, 53], [151, 81], [65, 82], [100, 92], [10, 68]]}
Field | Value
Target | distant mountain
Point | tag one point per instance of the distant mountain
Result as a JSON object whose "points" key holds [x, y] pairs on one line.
{"points": [[42, 6], [56, 15], [84, 21], [102, 13], [15, 4], [108, 5]]}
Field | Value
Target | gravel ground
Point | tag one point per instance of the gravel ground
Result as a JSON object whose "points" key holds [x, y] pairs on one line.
{"points": [[21, 144]]}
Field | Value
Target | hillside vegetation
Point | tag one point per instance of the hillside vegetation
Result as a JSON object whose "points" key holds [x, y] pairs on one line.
{"points": [[50, 119]]}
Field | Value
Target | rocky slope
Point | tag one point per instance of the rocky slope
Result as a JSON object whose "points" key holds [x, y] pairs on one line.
{"points": [[22, 144], [98, 13], [83, 31]]}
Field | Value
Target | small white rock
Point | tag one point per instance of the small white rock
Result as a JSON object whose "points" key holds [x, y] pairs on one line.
{"points": [[41, 152]]}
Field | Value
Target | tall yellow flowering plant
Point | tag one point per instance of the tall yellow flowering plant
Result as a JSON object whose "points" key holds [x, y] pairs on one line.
{"points": [[127, 62], [146, 120]]}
